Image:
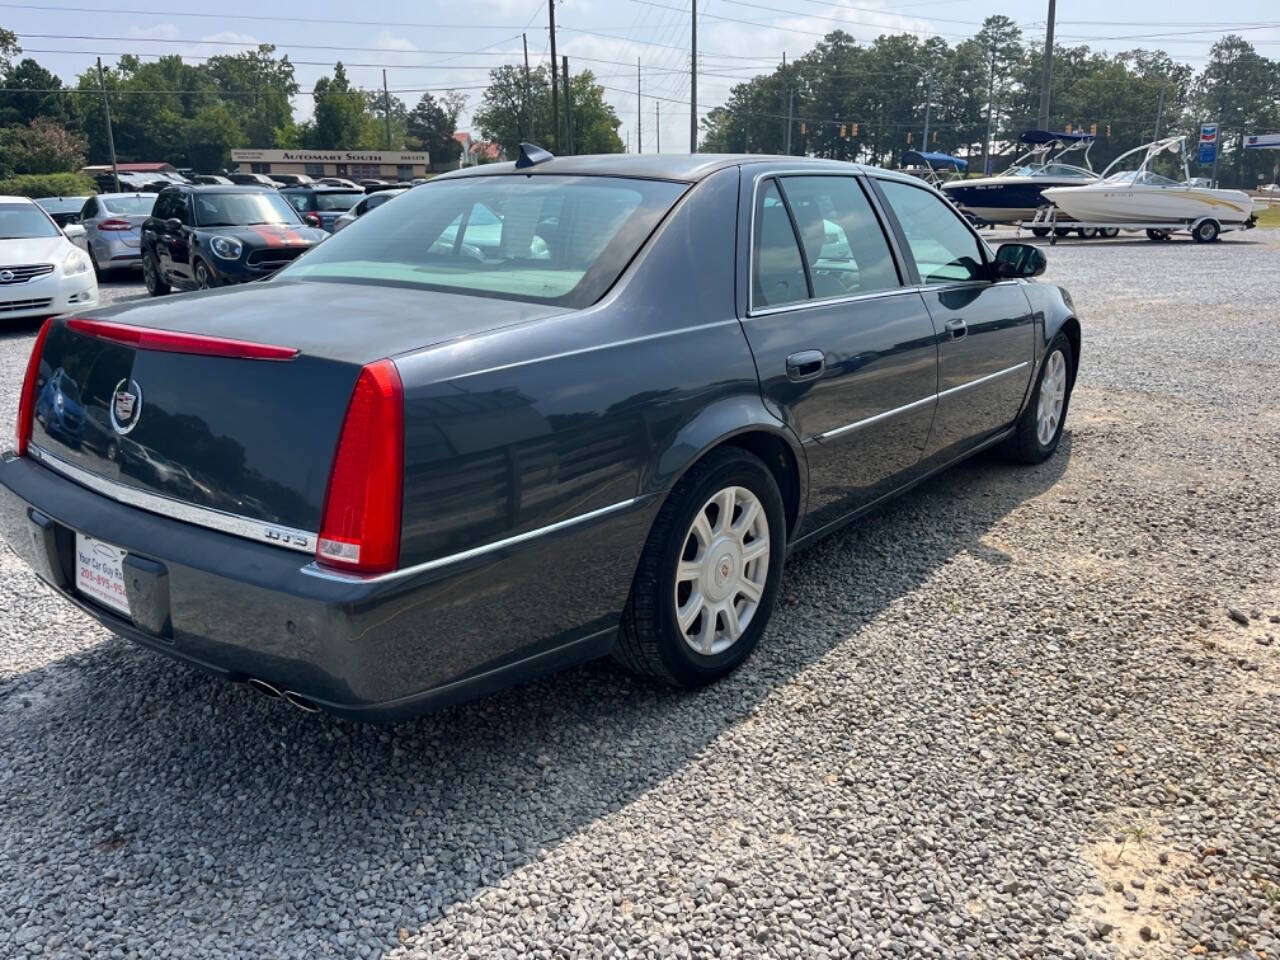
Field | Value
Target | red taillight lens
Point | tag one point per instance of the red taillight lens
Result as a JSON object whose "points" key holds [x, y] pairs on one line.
{"points": [[361, 527], [115, 225], [172, 341], [27, 400]]}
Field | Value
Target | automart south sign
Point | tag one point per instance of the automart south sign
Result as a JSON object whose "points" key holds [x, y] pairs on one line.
{"points": [[328, 156]]}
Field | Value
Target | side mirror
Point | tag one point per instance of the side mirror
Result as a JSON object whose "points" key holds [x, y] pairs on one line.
{"points": [[1015, 260], [173, 223], [73, 231], [311, 219]]}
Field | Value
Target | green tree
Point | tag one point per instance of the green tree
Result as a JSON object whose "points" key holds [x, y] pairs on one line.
{"points": [[509, 105], [430, 126], [1241, 91], [341, 119], [209, 137], [255, 86], [24, 97]]}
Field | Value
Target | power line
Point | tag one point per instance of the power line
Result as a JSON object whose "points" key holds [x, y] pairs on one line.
{"points": [[45, 8]]}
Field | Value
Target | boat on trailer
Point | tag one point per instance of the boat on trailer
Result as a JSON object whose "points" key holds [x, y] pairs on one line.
{"points": [[933, 168], [1142, 199], [1017, 193]]}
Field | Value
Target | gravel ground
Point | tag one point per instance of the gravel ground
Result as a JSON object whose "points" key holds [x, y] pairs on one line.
{"points": [[1014, 715]]}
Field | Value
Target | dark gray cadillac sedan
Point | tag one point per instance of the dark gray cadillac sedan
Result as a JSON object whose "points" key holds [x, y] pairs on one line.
{"points": [[525, 416]]}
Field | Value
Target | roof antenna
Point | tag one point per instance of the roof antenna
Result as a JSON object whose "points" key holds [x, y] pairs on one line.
{"points": [[531, 154]]}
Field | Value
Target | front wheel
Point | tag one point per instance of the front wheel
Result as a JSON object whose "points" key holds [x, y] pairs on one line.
{"points": [[204, 279], [709, 573], [156, 285], [1039, 429]]}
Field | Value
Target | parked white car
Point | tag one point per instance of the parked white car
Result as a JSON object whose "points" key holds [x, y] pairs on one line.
{"points": [[42, 273]]}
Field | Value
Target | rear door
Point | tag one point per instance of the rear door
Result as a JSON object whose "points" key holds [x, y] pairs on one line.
{"points": [[986, 330], [845, 350]]}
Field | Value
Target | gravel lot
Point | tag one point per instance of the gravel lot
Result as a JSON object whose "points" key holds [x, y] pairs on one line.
{"points": [[1010, 716]]}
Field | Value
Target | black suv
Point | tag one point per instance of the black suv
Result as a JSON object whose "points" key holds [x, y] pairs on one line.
{"points": [[205, 236]]}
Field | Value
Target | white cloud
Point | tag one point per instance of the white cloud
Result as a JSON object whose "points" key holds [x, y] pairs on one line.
{"points": [[161, 31]]}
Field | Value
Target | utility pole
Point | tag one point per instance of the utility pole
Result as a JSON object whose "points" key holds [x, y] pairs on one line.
{"points": [[791, 103], [928, 106], [555, 96], [991, 93], [111, 137], [1159, 113], [568, 110], [528, 107], [386, 107], [1046, 77], [657, 120], [693, 78], [639, 114]]}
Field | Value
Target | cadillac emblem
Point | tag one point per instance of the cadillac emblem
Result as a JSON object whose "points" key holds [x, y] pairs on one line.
{"points": [[126, 406]]}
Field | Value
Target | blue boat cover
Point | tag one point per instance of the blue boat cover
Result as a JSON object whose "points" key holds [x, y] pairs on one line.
{"points": [[934, 159], [1047, 136]]}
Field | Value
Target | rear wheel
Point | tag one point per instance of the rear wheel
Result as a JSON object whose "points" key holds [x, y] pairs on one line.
{"points": [[1040, 231], [156, 285], [93, 262], [1110, 232], [1206, 231], [1087, 233], [1039, 429], [709, 573]]}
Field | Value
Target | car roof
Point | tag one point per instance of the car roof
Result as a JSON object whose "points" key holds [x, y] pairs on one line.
{"points": [[318, 188], [683, 167], [16, 200], [221, 188], [119, 196]]}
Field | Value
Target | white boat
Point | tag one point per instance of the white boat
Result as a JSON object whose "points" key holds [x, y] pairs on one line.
{"points": [[1142, 196]]}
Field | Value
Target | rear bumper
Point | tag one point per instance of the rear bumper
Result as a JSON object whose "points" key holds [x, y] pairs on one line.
{"points": [[374, 650]]}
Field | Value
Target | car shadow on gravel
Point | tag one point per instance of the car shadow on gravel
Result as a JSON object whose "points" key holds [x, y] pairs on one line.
{"points": [[142, 799]]}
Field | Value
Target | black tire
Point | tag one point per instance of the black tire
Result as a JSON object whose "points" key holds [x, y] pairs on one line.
{"points": [[156, 285], [203, 278], [1061, 231], [1025, 445], [1159, 236], [1206, 231], [93, 262], [1040, 231], [1110, 232], [650, 641], [1087, 233]]}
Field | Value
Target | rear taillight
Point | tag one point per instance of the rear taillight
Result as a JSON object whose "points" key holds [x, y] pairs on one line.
{"points": [[115, 225], [27, 399], [173, 341], [361, 527]]}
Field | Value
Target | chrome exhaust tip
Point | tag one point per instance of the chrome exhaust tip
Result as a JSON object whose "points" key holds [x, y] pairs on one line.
{"points": [[301, 702], [264, 688]]}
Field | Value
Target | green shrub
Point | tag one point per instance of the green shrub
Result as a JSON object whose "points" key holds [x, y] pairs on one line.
{"points": [[48, 185]]}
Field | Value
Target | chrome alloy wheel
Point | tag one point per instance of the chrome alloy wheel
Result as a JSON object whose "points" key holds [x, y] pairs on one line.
{"points": [[1053, 393], [723, 566]]}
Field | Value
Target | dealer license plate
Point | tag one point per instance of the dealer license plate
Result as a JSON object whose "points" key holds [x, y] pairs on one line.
{"points": [[100, 573]]}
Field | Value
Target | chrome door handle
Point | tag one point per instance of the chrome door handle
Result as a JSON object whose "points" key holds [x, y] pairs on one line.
{"points": [[956, 328], [805, 365]]}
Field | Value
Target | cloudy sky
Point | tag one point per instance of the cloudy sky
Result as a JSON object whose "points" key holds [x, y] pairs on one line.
{"points": [[439, 45]]}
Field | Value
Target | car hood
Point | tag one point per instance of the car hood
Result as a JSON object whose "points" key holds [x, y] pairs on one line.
{"points": [[349, 322], [265, 235], [34, 250]]}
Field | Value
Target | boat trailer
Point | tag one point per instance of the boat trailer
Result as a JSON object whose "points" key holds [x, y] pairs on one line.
{"points": [[1202, 229]]}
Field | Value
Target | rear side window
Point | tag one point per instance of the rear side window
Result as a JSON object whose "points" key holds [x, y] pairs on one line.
{"points": [[544, 239], [777, 270], [841, 238], [945, 250]]}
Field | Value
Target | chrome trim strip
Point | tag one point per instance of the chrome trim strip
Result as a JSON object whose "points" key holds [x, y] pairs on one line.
{"points": [[314, 570], [859, 424], [981, 380], [831, 301], [915, 404], [303, 541]]}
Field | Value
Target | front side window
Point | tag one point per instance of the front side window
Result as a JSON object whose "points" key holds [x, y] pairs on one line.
{"points": [[21, 221], [777, 270], [90, 209], [243, 209], [545, 239], [945, 250], [842, 240]]}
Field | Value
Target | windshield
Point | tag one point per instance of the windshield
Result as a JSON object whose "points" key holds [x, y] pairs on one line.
{"points": [[1143, 178], [21, 221], [242, 209], [62, 204], [128, 205], [544, 239]]}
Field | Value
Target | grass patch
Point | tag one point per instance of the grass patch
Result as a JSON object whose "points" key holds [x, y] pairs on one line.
{"points": [[1269, 216]]}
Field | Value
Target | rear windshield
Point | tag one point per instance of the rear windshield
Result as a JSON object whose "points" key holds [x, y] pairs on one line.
{"points": [[338, 201], [128, 205], [62, 204], [544, 239], [19, 221], [242, 209]]}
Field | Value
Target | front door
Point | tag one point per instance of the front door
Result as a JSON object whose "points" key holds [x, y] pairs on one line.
{"points": [[846, 352], [986, 333]]}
